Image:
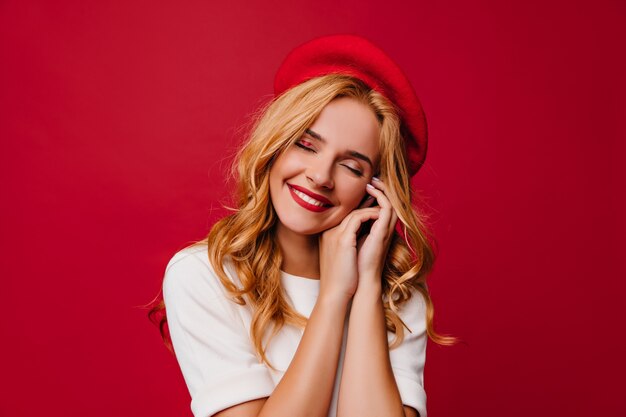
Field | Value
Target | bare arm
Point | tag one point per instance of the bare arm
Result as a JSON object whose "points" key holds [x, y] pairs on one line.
{"points": [[306, 389], [307, 386], [368, 386]]}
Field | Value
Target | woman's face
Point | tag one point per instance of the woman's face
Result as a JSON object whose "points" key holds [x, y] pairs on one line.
{"points": [[321, 178]]}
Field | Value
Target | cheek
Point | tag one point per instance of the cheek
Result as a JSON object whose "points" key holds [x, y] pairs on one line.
{"points": [[286, 165], [354, 195]]}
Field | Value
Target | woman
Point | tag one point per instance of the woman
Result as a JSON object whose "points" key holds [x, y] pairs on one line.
{"points": [[310, 299]]}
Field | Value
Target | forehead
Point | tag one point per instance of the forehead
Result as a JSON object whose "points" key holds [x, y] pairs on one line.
{"points": [[346, 123]]}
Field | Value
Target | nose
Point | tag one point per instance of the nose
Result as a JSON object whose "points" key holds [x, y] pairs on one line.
{"points": [[320, 175]]}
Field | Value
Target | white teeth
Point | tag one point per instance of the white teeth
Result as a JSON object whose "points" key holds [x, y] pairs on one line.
{"points": [[307, 198]]}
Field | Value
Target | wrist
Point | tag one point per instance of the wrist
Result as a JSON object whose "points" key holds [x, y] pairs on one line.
{"points": [[369, 288], [334, 299]]}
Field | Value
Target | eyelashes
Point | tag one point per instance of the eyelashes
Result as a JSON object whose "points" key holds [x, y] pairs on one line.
{"points": [[355, 171], [299, 144], [306, 148]]}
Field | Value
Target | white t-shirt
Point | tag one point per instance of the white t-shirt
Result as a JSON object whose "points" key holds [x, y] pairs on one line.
{"points": [[211, 338]]}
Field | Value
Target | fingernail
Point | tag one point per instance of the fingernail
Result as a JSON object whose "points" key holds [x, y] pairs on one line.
{"points": [[370, 186], [376, 179]]}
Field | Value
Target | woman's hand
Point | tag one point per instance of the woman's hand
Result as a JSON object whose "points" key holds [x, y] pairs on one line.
{"points": [[338, 253], [373, 247]]}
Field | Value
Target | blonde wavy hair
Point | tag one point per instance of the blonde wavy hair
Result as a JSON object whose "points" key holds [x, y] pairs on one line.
{"points": [[247, 236]]}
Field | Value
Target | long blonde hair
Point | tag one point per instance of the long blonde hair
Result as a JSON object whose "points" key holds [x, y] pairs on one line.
{"points": [[246, 237]]}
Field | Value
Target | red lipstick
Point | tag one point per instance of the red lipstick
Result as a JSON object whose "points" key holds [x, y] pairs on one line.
{"points": [[311, 194], [306, 204]]}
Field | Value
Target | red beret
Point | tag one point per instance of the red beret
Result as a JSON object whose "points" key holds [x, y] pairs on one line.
{"points": [[355, 56]]}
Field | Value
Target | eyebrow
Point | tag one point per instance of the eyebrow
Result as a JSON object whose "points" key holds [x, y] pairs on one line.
{"points": [[350, 152]]}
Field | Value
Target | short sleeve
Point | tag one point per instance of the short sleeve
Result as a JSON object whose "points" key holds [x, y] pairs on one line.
{"points": [[408, 359], [210, 340]]}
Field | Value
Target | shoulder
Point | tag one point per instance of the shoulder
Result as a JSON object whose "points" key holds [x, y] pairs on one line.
{"points": [[192, 254], [408, 359], [189, 261], [413, 312], [190, 271]]}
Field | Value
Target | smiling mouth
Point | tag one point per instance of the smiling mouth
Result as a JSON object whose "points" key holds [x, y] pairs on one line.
{"points": [[307, 201]]}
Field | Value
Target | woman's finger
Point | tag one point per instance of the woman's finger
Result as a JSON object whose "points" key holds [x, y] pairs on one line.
{"points": [[389, 216], [377, 182], [367, 202], [394, 220], [381, 226], [379, 195], [357, 218]]}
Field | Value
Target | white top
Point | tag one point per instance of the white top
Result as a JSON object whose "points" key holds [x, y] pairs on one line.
{"points": [[211, 338]]}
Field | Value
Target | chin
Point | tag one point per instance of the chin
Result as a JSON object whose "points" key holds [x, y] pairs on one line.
{"points": [[303, 226], [303, 229]]}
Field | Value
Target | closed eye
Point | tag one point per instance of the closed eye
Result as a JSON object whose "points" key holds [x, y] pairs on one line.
{"points": [[306, 148], [356, 171]]}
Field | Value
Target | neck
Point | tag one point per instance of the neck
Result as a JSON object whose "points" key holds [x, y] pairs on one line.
{"points": [[300, 253]]}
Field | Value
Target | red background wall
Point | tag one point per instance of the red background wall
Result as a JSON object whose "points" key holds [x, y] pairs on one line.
{"points": [[117, 119]]}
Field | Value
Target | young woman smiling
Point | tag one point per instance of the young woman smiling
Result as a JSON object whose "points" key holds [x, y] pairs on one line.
{"points": [[311, 298]]}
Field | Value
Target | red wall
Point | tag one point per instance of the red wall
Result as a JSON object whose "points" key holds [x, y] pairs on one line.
{"points": [[117, 120]]}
